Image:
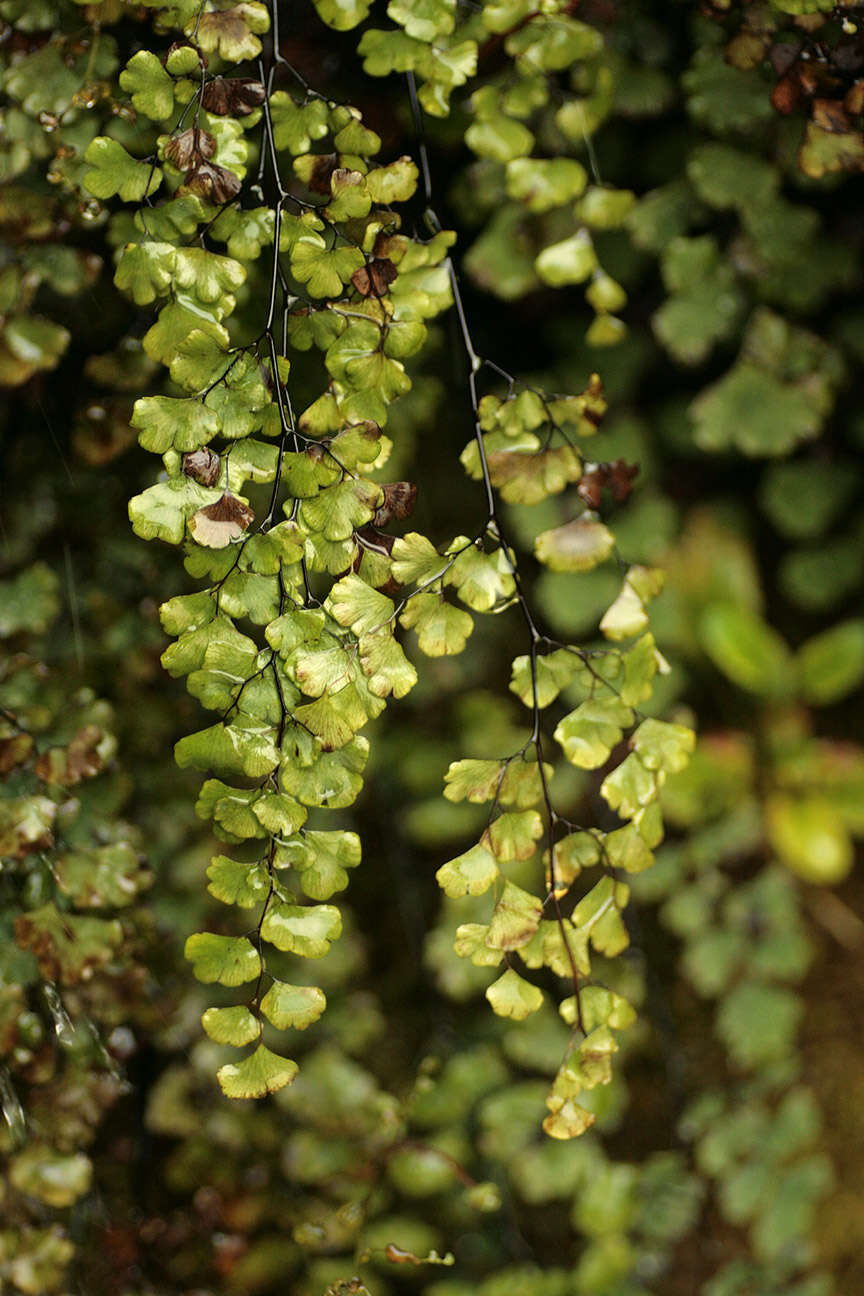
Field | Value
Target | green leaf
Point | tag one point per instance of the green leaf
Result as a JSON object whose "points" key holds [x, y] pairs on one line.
{"points": [[230, 808], [199, 358], [482, 580], [322, 860], [631, 787], [161, 511], [260, 1073], [568, 1121], [723, 97], [605, 330], [626, 849], [357, 359], [245, 232], [501, 260], [577, 546], [600, 1007], [804, 497], [342, 15], [326, 668], [151, 88], [514, 834], [171, 221], [350, 135], [599, 915], [754, 411], [604, 293], [246, 594], [279, 813], [292, 1007], [324, 272], [471, 873], [335, 719], [329, 778], [447, 67], [393, 51], [166, 423], [350, 197], [474, 780], [757, 1023], [234, 883], [810, 837], [731, 177], [114, 171], [33, 343], [354, 603], [628, 616], [826, 150], [554, 671], [552, 43], [396, 182], [230, 960], [522, 784], [542, 184], [816, 578], [663, 746], [470, 943], [500, 138], [30, 601], [214, 642], [304, 930], [229, 749], [52, 1178], [207, 276], [746, 649], [295, 125], [234, 1025], [145, 271], [230, 34], [831, 664], [605, 209], [67, 947], [573, 853], [569, 262], [662, 215], [304, 475], [514, 920], [424, 19], [513, 996], [416, 559], [442, 630], [522, 472], [589, 733], [103, 877], [385, 666], [337, 511], [640, 666]]}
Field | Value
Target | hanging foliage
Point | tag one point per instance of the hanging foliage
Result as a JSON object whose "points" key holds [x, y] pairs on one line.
{"points": [[497, 361]]}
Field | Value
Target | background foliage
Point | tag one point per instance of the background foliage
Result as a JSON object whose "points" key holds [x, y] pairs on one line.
{"points": [[666, 201]]}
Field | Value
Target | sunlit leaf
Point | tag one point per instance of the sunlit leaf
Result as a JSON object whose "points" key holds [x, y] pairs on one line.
{"points": [[260, 1073], [287, 1006], [235, 1025], [230, 960], [513, 996]]}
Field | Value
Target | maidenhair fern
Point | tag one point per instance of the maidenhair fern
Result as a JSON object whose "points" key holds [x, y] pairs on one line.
{"points": [[604, 254], [292, 642]]}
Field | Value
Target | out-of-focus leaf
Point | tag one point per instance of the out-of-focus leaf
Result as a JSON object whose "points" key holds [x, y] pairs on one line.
{"points": [[810, 838], [746, 649], [831, 664]]}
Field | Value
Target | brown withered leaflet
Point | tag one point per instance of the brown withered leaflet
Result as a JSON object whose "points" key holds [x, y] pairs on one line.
{"points": [[216, 525]]}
